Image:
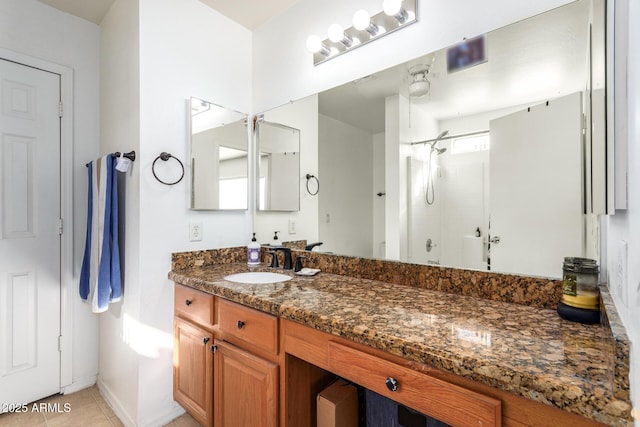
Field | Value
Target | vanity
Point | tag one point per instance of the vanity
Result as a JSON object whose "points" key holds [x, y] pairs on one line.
{"points": [[448, 346]]}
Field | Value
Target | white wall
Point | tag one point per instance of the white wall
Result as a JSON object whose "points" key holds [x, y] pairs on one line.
{"points": [[625, 225], [280, 55], [39, 31], [119, 131], [346, 158], [184, 51]]}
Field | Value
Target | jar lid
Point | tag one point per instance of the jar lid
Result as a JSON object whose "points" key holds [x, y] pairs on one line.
{"points": [[580, 265]]}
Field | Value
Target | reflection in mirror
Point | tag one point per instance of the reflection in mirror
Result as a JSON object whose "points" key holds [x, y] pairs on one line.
{"points": [[279, 168], [489, 167], [219, 164]]}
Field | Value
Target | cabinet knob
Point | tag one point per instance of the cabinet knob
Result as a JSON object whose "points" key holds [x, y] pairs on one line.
{"points": [[187, 302], [240, 324], [214, 348], [205, 340], [392, 384]]}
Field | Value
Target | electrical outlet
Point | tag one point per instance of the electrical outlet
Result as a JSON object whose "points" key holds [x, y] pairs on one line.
{"points": [[620, 272], [195, 231], [292, 226]]}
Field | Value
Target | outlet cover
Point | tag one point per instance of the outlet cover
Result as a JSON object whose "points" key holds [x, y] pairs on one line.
{"points": [[195, 231], [292, 226]]}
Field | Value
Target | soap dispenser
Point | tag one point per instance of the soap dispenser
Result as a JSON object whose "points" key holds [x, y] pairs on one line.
{"points": [[253, 251], [275, 242]]}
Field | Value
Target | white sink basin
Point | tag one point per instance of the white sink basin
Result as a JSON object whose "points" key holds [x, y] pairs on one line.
{"points": [[257, 277]]}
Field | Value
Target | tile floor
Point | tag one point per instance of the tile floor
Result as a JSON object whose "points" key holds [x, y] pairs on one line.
{"points": [[85, 408]]}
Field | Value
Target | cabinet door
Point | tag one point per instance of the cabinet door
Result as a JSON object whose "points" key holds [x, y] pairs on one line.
{"points": [[193, 370], [245, 388]]}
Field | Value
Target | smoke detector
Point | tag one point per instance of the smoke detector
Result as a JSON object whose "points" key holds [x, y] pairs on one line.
{"points": [[419, 85]]}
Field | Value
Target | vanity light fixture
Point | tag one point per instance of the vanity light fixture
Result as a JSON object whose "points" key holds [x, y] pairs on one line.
{"points": [[362, 22], [396, 14], [315, 45], [337, 35], [394, 8]]}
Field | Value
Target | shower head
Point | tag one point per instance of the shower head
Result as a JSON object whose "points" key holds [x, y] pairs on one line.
{"points": [[442, 135], [435, 141]]}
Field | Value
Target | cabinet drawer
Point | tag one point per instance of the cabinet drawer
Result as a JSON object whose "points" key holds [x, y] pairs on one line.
{"points": [[194, 305], [446, 402], [247, 325]]}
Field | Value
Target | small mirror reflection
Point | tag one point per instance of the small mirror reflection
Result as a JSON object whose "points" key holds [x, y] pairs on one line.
{"points": [[279, 180], [219, 179]]}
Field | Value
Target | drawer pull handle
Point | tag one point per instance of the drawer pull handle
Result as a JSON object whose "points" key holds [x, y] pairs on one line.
{"points": [[188, 302], [392, 384], [205, 340], [214, 348], [240, 324]]}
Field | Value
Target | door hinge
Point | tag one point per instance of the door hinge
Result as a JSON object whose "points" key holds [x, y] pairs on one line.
{"points": [[60, 343], [60, 226], [60, 109]]}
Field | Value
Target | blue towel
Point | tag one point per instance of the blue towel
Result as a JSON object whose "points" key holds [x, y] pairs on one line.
{"points": [[100, 274]]}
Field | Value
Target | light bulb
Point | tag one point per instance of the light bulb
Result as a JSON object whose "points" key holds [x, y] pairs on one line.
{"points": [[335, 33], [314, 44], [361, 20], [391, 7]]}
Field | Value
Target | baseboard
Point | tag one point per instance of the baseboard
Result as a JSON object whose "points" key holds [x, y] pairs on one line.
{"points": [[165, 418], [118, 409], [169, 415], [79, 385]]}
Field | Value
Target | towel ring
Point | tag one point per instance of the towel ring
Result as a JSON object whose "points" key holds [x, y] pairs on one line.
{"points": [[309, 178], [164, 157]]}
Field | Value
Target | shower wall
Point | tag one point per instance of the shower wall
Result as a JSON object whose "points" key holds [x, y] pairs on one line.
{"points": [[461, 202]]}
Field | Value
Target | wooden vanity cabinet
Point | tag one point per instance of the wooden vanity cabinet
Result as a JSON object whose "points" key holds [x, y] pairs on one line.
{"points": [[192, 353], [235, 366], [245, 388], [246, 369]]}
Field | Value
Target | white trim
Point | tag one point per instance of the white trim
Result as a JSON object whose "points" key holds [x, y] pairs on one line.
{"points": [[114, 403], [80, 385], [66, 204], [164, 418]]}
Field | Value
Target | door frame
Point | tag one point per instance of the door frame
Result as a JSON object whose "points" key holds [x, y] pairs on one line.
{"points": [[66, 205]]}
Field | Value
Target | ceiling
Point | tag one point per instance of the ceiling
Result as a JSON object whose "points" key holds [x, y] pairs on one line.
{"points": [[248, 13], [91, 10]]}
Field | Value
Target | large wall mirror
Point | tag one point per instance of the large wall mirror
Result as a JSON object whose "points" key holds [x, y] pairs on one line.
{"points": [[496, 166], [279, 166], [219, 146]]}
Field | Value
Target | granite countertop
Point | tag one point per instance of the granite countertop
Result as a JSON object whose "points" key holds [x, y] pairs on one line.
{"points": [[528, 351]]}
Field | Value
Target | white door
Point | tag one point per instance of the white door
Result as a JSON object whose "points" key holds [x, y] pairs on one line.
{"points": [[536, 188], [29, 233]]}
